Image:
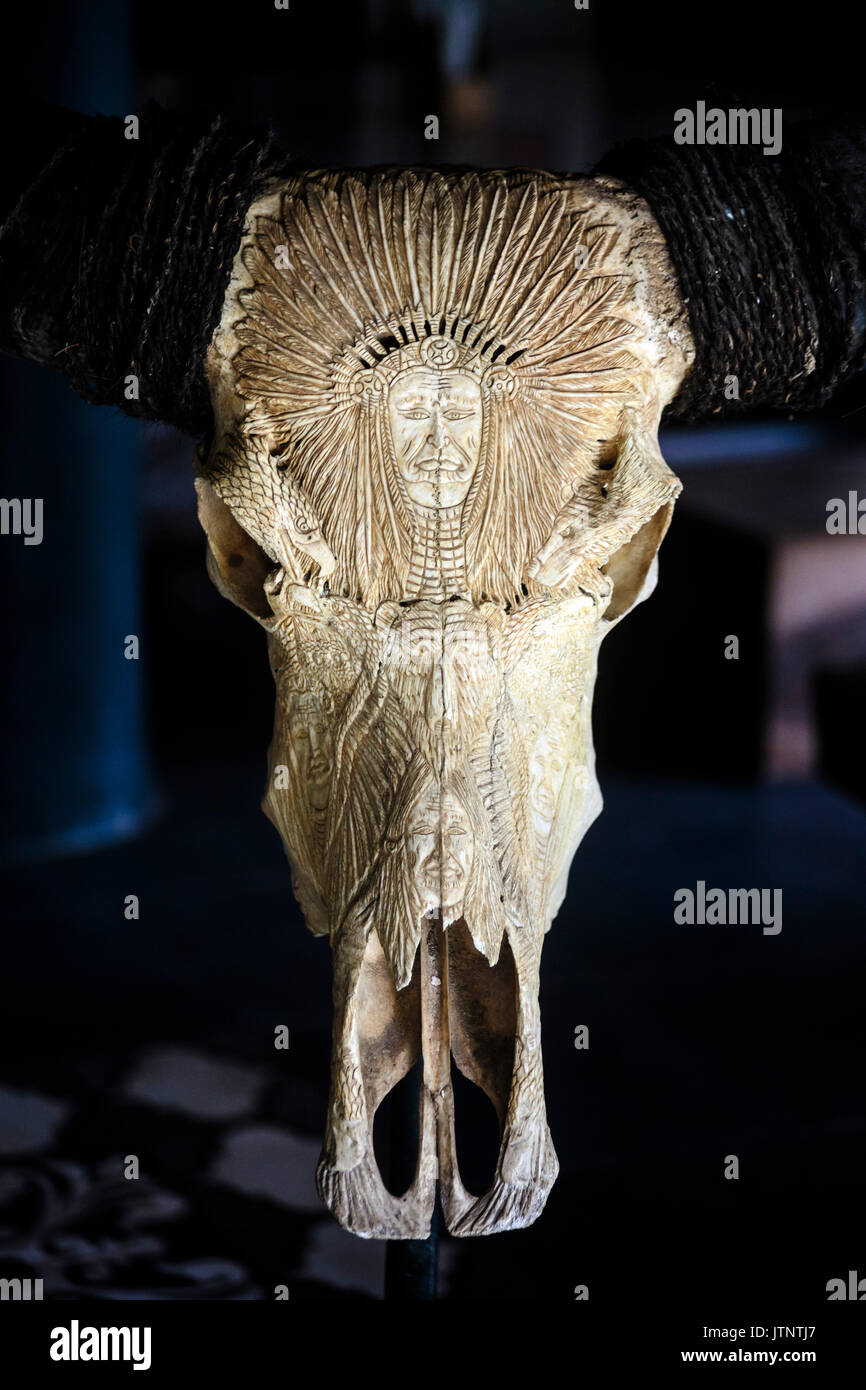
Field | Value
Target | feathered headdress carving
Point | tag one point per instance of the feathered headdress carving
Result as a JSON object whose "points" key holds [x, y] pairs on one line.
{"points": [[358, 275]]}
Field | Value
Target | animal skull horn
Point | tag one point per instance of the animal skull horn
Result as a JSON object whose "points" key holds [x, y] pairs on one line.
{"points": [[436, 483]]}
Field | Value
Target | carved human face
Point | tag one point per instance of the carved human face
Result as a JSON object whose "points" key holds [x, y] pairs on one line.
{"points": [[435, 419], [546, 771], [312, 744], [442, 848]]}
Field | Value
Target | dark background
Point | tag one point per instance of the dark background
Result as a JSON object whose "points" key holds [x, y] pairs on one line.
{"points": [[704, 1041]]}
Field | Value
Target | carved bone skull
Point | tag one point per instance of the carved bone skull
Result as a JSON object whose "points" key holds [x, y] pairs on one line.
{"points": [[436, 483]]}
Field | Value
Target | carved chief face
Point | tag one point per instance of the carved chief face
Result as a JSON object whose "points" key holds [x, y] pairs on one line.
{"points": [[312, 744], [441, 846], [546, 771], [435, 419]]}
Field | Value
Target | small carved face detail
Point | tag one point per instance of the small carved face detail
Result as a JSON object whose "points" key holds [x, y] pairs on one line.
{"points": [[435, 419], [312, 744], [441, 848], [546, 772]]}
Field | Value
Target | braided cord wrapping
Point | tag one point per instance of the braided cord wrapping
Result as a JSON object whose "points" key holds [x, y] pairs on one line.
{"points": [[115, 258], [770, 254]]}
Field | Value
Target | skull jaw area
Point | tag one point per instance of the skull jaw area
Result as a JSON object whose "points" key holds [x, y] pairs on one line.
{"points": [[456, 1007]]}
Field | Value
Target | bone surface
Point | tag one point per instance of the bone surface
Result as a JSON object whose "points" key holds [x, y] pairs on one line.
{"points": [[436, 483]]}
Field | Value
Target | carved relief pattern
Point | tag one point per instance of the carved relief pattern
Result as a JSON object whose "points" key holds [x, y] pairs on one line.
{"points": [[438, 396]]}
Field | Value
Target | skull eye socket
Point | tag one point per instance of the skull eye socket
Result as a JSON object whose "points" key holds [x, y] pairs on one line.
{"points": [[629, 567], [236, 564]]}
